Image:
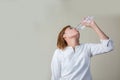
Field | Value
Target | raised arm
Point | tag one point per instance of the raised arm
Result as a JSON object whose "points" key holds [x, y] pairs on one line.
{"points": [[99, 32], [106, 44], [95, 27]]}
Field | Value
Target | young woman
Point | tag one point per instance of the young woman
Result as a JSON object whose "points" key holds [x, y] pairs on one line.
{"points": [[71, 60]]}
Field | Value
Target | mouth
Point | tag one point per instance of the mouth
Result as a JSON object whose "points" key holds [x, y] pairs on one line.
{"points": [[77, 30]]}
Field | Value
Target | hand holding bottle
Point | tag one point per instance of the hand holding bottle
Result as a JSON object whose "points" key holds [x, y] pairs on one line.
{"points": [[85, 22], [89, 22]]}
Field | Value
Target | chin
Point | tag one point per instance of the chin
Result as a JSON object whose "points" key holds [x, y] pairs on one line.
{"points": [[76, 36]]}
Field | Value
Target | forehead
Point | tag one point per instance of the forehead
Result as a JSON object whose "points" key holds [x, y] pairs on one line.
{"points": [[67, 29]]}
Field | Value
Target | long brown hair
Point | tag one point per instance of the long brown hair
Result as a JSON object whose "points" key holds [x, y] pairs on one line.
{"points": [[61, 43]]}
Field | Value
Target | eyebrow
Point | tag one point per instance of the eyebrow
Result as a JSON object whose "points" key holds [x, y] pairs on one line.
{"points": [[71, 27]]}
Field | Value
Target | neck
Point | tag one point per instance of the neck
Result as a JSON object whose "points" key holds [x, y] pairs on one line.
{"points": [[73, 42]]}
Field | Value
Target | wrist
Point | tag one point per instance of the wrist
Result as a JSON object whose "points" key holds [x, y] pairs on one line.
{"points": [[95, 27]]}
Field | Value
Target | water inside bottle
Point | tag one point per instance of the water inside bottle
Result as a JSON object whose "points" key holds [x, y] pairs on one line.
{"points": [[87, 19]]}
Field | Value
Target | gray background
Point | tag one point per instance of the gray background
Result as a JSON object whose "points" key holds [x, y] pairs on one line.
{"points": [[29, 29]]}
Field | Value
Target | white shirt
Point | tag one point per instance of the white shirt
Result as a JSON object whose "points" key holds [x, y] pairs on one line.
{"points": [[69, 64]]}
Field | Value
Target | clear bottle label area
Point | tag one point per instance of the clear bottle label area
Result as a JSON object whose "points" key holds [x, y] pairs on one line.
{"points": [[87, 19]]}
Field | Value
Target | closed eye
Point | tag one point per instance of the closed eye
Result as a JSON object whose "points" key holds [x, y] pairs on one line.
{"points": [[71, 27]]}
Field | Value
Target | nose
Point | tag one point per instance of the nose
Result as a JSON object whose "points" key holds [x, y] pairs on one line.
{"points": [[75, 29]]}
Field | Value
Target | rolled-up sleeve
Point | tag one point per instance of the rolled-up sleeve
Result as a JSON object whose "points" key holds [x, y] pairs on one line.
{"points": [[56, 66], [103, 47]]}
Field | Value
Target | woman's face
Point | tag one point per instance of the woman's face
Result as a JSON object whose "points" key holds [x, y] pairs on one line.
{"points": [[71, 32]]}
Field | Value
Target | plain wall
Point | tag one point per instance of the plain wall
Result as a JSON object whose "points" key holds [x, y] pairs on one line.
{"points": [[29, 29]]}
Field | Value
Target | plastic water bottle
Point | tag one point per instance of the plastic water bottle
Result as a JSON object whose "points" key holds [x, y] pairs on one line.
{"points": [[87, 19]]}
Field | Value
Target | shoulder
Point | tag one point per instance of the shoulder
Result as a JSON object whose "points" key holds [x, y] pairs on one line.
{"points": [[57, 52], [57, 55]]}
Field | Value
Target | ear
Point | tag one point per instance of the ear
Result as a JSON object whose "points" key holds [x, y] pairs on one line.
{"points": [[64, 35]]}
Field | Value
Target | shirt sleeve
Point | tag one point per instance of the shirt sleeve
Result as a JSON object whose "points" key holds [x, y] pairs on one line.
{"points": [[56, 66], [103, 47]]}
